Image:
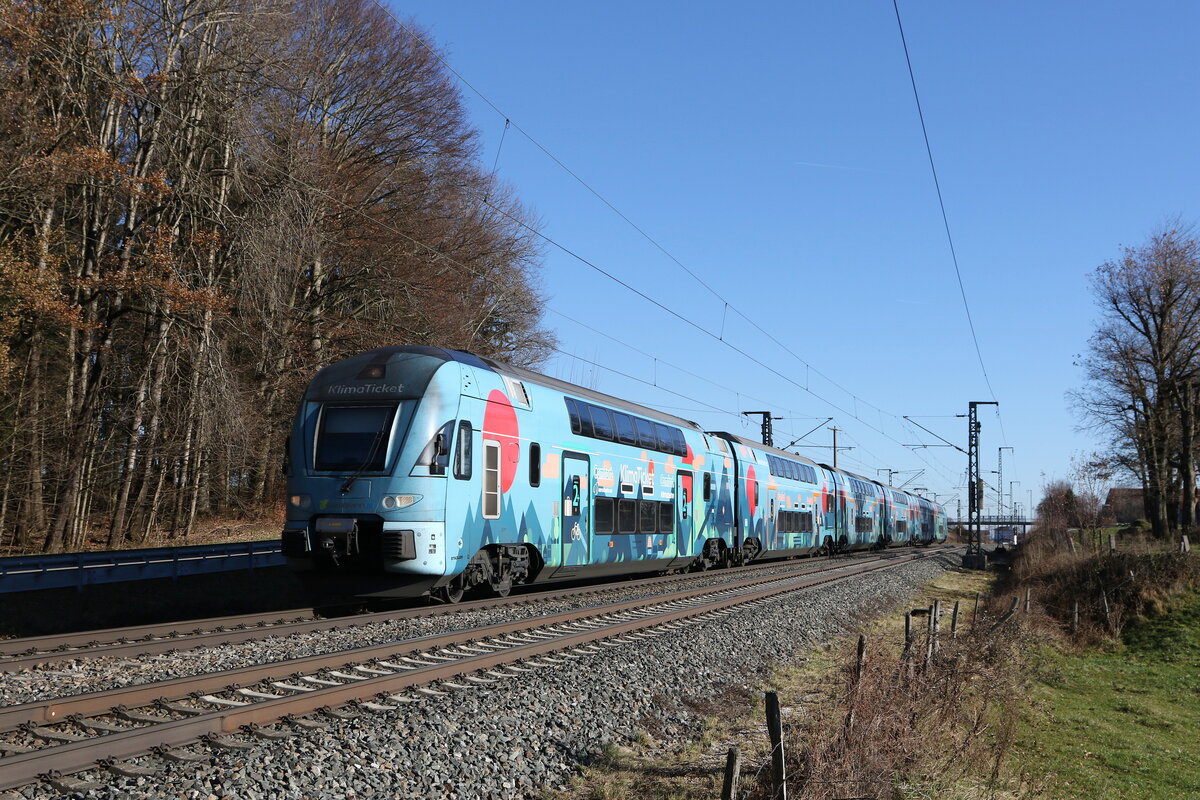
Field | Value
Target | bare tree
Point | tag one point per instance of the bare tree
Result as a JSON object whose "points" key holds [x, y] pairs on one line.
{"points": [[201, 203], [1142, 366]]}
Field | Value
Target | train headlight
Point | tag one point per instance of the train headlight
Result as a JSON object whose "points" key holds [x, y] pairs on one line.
{"points": [[300, 501], [393, 501]]}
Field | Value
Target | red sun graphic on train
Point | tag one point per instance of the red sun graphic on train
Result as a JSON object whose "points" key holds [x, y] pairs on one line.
{"points": [[751, 491], [500, 424]]}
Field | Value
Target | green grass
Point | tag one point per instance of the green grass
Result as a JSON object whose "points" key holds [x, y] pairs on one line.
{"points": [[1120, 724]]}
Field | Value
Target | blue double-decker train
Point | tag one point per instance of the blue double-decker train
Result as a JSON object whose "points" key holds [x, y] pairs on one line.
{"points": [[415, 470]]}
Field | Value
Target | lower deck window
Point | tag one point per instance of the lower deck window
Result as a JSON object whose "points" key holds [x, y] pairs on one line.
{"points": [[634, 516], [647, 517], [627, 516], [666, 517], [604, 515], [864, 524]]}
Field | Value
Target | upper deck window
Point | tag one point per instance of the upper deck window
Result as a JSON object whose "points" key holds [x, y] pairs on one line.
{"points": [[354, 438]]}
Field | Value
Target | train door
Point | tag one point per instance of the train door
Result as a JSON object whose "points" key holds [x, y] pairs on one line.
{"points": [[887, 512], [576, 505], [683, 512], [835, 510]]}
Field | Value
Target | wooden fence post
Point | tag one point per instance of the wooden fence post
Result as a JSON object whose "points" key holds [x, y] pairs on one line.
{"points": [[937, 625], [1184, 545], [975, 613], [862, 659], [1112, 543], [907, 655], [1104, 602], [928, 642], [954, 621], [1027, 603], [733, 773], [1075, 617], [775, 728]]}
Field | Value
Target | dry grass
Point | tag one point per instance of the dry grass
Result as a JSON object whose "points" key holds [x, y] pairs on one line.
{"points": [[909, 726], [886, 735], [210, 531], [1140, 580]]}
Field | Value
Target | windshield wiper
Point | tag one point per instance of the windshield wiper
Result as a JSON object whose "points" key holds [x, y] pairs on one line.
{"points": [[366, 462]]}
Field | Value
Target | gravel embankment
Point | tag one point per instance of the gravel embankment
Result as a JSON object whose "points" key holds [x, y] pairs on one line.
{"points": [[516, 738], [97, 674]]}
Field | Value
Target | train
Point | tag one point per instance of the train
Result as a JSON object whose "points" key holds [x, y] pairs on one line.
{"points": [[416, 470]]}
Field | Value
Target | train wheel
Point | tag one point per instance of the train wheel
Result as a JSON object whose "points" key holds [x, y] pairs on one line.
{"points": [[452, 592], [502, 586]]}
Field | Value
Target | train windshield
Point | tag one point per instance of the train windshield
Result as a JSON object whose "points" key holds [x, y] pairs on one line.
{"points": [[355, 438]]}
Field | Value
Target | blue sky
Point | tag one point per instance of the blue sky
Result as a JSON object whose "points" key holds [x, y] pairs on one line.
{"points": [[774, 150]]}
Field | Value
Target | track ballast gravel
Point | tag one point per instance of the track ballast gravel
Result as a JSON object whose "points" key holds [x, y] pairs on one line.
{"points": [[98, 673], [520, 737]]}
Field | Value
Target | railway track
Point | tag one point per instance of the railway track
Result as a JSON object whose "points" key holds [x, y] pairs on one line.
{"points": [[141, 640], [48, 740]]}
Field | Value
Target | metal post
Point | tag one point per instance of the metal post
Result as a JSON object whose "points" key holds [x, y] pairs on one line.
{"points": [[835, 447], [768, 431], [975, 557], [1000, 479]]}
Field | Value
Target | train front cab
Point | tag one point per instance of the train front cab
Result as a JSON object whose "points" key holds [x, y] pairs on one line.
{"points": [[368, 461]]}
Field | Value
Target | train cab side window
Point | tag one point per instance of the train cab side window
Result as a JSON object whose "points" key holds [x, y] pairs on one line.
{"points": [[462, 456], [535, 464], [647, 516], [491, 479], [626, 432], [645, 429], [602, 425], [679, 442], [627, 516], [603, 518], [707, 486]]}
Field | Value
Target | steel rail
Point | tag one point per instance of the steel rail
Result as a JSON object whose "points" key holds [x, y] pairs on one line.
{"points": [[57, 709], [18, 654], [17, 770]]}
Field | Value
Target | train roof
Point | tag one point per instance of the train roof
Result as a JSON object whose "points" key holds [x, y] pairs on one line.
{"points": [[765, 447], [796, 457], [381, 354]]}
